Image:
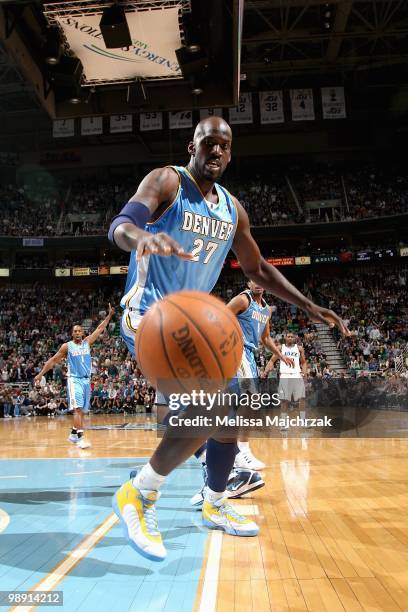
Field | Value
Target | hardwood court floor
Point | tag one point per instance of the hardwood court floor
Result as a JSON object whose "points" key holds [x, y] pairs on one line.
{"points": [[333, 518]]}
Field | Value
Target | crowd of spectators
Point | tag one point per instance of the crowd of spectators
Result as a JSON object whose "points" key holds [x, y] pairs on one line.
{"points": [[84, 206], [373, 304]]}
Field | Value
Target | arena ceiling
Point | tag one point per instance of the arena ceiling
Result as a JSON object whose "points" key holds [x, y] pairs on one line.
{"points": [[361, 44]]}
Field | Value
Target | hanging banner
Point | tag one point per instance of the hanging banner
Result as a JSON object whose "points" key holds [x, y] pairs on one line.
{"points": [[63, 128], [210, 112], [4, 271], [333, 103], [91, 126], [302, 104], [404, 252], [243, 112], [155, 37], [180, 119], [151, 121], [271, 107], [121, 123]]}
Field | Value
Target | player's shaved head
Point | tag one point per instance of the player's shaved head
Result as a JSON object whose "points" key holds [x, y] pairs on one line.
{"points": [[211, 126], [210, 149]]}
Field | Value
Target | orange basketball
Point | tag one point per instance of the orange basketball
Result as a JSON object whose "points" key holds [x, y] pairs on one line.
{"points": [[189, 341]]}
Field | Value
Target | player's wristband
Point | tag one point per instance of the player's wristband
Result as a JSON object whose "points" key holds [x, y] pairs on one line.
{"points": [[136, 213]]}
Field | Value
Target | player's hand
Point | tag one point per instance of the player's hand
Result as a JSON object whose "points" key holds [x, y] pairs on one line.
{"points": [[37, 380], [159, 244], [329, 317], [111, 311], [288, 361], [263, 374]]}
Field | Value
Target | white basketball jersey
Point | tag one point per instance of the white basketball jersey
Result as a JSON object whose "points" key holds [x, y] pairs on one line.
{"points": [[294, 353]]}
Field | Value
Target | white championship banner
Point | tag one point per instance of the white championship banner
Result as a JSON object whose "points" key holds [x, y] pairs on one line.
{"points": [[63, 128], [155, 37], [243, 112], [271, 107], [151, 121], [210, 112], [180, 119], [333, 103], [121, 123], [91, 126], [302, 104]]}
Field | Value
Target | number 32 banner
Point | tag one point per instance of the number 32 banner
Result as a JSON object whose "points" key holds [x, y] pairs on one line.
{"points": [[271, 107]]}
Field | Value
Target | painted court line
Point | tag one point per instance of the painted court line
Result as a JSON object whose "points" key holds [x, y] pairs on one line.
{"points": [[13, 476], [58, 573], [210, 587], [80, 473]]}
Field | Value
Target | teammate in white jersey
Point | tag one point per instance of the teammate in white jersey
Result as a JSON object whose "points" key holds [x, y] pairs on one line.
{"points": [[291, 379]]}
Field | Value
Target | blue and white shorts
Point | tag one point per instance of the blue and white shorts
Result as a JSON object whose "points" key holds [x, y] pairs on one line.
{"points": [[79, 393]]}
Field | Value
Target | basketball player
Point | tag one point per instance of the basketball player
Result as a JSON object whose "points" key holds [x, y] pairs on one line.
{"points": [[179, 228], [78, 355], [291, 380], [253, 315]]}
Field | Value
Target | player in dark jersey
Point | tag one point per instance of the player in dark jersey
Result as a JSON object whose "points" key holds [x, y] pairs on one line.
{"points": [[134, 230], [78, 355]]}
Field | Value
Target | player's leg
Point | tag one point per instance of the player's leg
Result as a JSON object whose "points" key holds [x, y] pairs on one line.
{"points": [[80, 412], [134, 503], [248, 381]]}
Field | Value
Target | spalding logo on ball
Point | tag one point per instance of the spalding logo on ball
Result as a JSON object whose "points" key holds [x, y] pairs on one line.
{"points": [[189, 341]]}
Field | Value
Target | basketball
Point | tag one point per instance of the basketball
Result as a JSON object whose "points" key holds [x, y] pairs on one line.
{"points": [[189, 340]]}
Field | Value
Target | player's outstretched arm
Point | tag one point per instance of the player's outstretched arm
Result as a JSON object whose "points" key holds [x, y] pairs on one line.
{"points": [[275, 350], [157, 190], [266, 275], [101, 327], [52, 361]]}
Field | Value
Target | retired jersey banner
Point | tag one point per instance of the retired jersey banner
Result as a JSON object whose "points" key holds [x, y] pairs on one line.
{"points": [[333, 103], [151, 121], [271, 107], [404, 251], [63, 128], [121, 123], [180, 119], [155, 37], [243, 112], [4, 271], [210, 112], [91, 126], [302, 104]]}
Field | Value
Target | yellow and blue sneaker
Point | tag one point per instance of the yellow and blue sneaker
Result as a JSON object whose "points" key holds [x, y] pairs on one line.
{"points": [[220, 515], [137, 513]]}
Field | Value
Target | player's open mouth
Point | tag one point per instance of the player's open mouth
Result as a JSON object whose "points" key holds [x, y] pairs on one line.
{"points": [[213, 164]]}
